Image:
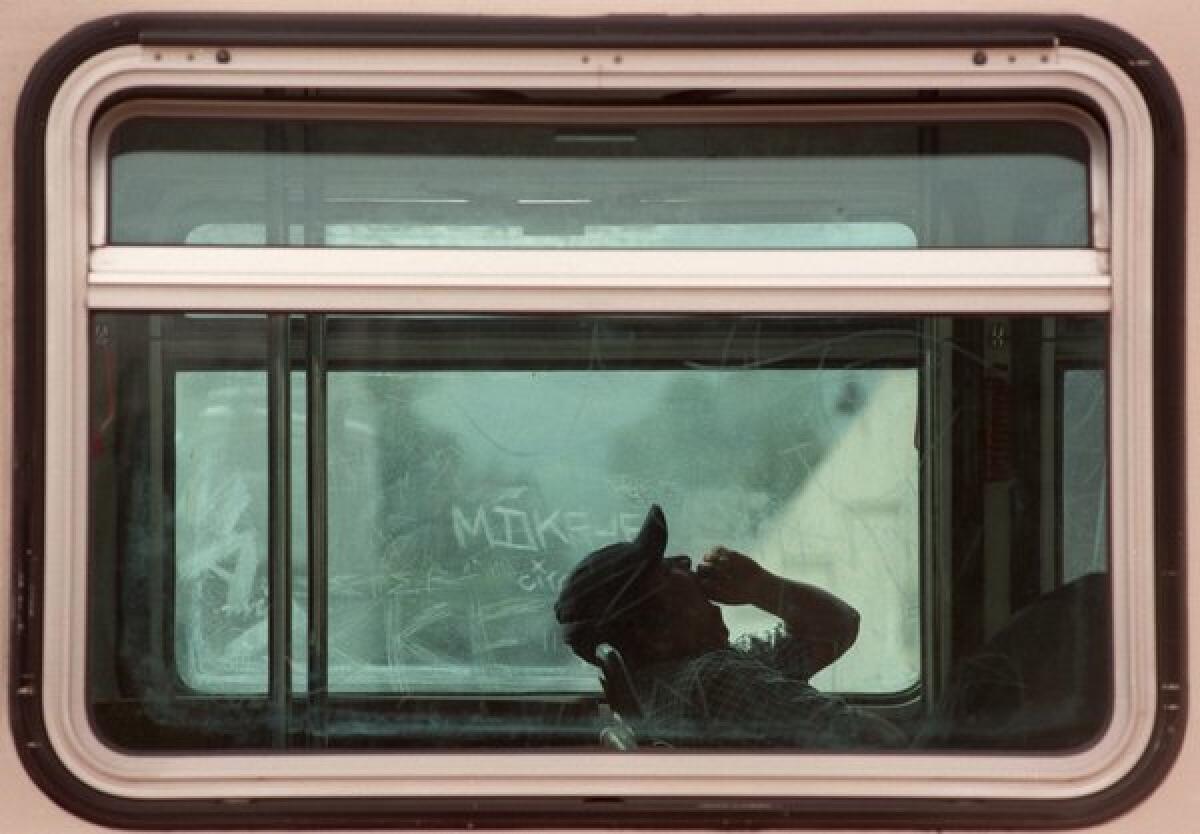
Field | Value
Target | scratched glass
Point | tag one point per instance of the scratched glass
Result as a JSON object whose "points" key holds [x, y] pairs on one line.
{"points": [[239, 182], [471, 461], [459, 500]]}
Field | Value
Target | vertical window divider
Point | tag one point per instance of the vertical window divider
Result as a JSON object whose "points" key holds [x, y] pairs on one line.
{"points": [[314, 193], [276, 220], [279, 577], [318, 562]]}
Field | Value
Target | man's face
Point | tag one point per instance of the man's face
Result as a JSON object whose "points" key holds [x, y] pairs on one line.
{"points": [[693, 623]]}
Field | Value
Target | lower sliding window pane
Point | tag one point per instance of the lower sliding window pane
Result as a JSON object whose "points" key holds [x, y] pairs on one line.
{"points": [[862, 501]]}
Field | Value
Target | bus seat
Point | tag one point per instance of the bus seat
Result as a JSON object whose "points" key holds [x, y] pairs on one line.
{"points": [[1041, 682]]}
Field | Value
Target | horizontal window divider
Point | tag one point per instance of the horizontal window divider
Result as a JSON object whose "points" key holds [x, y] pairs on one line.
{"points": [[502, 266], [587, 280], [901, 297], [617, 114]]}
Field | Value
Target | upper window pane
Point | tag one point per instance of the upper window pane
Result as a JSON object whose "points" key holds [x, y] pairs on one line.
{"points": [[569, 185]]}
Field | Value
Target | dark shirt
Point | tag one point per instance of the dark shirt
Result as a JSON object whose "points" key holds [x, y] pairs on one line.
{"points": [[755, 693]]}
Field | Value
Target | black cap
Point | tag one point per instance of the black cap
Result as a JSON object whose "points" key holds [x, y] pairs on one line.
{"points": [[609, 582]]}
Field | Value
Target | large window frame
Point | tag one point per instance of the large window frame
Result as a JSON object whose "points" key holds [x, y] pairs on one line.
{"points": [[1114, 277]]}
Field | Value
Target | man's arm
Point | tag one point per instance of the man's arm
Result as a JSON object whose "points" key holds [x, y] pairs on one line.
{"points": [[826, 624]]}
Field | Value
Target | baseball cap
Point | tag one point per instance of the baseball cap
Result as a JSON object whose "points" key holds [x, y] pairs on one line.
{"points": [[609, 583]]}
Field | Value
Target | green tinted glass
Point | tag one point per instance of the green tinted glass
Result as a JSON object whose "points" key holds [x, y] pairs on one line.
{"points": [[699, 186]]}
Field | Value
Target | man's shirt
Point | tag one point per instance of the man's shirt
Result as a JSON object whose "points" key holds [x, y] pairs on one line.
{"points": [[754, 693]]}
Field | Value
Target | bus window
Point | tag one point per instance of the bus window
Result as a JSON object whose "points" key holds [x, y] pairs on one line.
{"points": [[350, 389]]}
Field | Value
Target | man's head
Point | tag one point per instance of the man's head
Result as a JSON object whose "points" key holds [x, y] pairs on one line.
{"points": [[649, 607]]}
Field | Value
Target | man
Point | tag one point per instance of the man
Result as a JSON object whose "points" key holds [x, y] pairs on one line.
{"points": [[693, 686]]}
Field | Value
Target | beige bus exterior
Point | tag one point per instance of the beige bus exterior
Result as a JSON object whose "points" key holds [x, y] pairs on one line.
{"points": [[1168, 28]]}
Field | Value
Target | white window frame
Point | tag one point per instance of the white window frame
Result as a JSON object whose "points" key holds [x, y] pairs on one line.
{"points": [[1113, 277]]}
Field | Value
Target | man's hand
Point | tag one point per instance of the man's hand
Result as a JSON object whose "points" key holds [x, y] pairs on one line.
{"points": [[825, 623], [733, 578]]}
